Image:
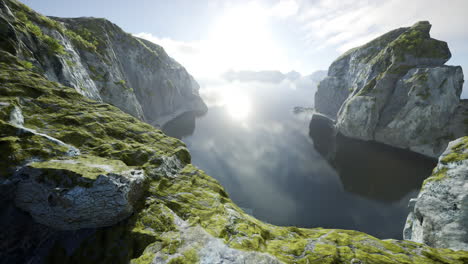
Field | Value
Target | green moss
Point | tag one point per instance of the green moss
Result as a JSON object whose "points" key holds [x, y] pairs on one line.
{"points": [[400, 69], [81, 170], [54, 45], [417, 42], [368, 88], [123, 84], [80, 42], [28, 21], [70, 63], [437, 175], [26, 64], [188, 257], [459, 152], [146, 258], [97, 74]]}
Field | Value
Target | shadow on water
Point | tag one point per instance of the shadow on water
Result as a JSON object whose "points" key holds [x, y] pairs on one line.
{"points": [[181, 126], [370, 169]]}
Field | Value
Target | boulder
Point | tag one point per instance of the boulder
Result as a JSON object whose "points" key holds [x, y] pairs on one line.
{"points": [[439, 215], [83, 192]]}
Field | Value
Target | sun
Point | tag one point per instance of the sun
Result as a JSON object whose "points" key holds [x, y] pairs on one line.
{"points": [[241, 38], [238, 105]]}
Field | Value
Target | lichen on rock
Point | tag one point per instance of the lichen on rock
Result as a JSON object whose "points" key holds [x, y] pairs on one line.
{"points": [[438, 216], [396, 90], [84, 192]]}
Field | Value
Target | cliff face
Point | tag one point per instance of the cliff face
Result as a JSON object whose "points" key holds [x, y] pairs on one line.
{"points": [[396, 90], [102, 62], [439, 215]]}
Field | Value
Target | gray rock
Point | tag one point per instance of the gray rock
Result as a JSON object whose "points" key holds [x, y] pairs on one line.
{"points": [[208, 249], [418, 113], [439, 215], [84, 192], [104, 63], [395, 90]]}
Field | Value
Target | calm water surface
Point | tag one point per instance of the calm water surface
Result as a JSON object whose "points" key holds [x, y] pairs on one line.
{"points": [[261, 152]]}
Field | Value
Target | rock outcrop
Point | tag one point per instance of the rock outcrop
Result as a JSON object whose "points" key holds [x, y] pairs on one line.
{"points": [[396, 90], [84, 192], [101, 61], [439, 215]]}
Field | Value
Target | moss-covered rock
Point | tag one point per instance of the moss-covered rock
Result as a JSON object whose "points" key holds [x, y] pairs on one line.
{"points": [[438, 216], [100, 61], [395, 90]]}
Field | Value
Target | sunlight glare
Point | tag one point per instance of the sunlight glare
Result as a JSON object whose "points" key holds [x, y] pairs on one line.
{"points": [[241, 39], [238, 105]]}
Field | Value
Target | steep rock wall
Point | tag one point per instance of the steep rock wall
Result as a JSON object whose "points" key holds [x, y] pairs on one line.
{"points": [[396, 90], [102, 62]]}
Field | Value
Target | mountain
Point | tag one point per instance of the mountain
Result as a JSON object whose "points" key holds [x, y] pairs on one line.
{"points": [[101, 61], [396, 90]]}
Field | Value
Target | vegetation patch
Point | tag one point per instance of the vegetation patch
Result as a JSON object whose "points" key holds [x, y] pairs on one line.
{"points": [[123, 84], [417, 42]]}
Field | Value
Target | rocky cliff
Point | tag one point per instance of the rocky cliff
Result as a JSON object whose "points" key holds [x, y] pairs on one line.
{"points": [[100, 61], [439, 215], [396, 90]]}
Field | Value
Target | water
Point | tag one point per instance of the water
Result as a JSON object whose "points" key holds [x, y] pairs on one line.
{"points": [[254, 144]]}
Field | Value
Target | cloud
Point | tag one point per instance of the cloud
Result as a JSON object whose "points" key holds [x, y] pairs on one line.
{"points": [[306, 35], [347, 23], [240, 38], [284, 8]]}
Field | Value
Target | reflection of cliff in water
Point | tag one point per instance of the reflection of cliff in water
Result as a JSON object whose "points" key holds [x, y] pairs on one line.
{"points": [[181, 126], [370, 169]]}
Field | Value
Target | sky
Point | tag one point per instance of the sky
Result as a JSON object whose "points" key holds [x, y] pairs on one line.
{"points": [[210, 37]]}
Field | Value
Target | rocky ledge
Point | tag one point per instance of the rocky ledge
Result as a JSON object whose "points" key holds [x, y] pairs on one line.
{"points": [[396, 90]]}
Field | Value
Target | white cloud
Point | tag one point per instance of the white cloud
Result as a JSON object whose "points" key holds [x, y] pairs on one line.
{"points": [[345, 24], [285, 8], [241, 38]]}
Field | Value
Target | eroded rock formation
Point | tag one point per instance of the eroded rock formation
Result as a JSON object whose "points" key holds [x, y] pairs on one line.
{"points": [[396, 90]]}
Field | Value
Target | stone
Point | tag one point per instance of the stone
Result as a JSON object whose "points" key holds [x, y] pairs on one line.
{"points": [[85, 192], [439, 215], [395, 90]]}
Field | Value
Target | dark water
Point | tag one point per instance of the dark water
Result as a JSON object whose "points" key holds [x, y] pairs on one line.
{"points": [[268, 164]]}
